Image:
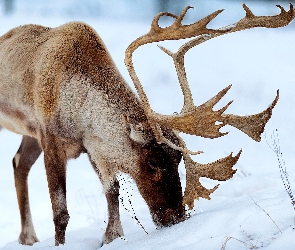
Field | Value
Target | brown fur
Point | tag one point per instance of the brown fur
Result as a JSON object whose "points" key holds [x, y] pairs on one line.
{"points": [[62, 91], [26, 155]]}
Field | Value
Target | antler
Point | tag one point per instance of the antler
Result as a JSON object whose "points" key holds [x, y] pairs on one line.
{"points": [[202, 120], [191, 114]]}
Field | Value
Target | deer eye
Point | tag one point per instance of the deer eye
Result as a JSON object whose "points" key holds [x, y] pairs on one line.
{"points": [[152, 164]]}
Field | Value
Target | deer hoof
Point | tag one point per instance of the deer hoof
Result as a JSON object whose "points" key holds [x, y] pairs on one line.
{"points": [[111, 235], [27, 239]]}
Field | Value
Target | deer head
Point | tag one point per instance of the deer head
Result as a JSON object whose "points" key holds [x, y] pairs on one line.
{"points": [[201, 120]]}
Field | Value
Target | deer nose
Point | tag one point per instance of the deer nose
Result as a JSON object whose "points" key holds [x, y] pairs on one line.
{"points": [[169, 217], [174, 216]]}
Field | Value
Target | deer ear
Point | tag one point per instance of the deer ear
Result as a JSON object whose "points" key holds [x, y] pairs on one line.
{"points": [[137, 131]]}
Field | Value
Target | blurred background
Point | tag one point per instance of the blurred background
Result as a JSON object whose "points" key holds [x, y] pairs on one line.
{"points": [[127, 9]]}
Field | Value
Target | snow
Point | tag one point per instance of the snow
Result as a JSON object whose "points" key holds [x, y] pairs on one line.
{"points": [[251, 210]]}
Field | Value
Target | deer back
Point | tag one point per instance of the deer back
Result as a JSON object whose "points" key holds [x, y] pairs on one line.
{"points": [[47, 75]]}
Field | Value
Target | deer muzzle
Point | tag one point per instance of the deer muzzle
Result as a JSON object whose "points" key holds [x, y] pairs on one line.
{"points": [[168, 217]]}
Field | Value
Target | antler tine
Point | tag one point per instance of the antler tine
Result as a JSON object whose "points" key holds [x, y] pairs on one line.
{"points": [[182, 15], [155, 23], [250, 20], [249, 13], [188, 104], [211, 102]]}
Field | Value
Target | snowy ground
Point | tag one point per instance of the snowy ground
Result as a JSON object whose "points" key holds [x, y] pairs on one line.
{"points": [[252, 208]]}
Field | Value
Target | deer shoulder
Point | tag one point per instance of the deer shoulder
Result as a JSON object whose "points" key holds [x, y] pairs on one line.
{"points": [[64, 69]]}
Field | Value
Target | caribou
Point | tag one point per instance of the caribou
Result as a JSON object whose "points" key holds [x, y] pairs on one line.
{"points": [[61, 90]]}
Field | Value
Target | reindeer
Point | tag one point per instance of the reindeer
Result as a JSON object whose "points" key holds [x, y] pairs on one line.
{"points": [[61, 90]]}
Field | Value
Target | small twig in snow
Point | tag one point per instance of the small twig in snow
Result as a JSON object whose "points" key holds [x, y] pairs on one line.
{"points": [[265, 212], [251, 245], [282, 165], [131, 211]]}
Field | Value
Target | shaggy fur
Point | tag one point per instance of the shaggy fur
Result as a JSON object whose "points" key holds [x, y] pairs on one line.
{"points": [[62, 91]]}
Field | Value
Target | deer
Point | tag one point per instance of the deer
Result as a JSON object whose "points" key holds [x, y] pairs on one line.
{"points": [[61, 91]]}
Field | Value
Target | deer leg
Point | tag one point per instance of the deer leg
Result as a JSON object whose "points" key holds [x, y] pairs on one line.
{"points": [[22, 162], [55, 165], [114, 227]]}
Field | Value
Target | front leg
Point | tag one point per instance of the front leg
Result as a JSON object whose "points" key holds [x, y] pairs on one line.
{"points": [[114, 228], [55, 165]]}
